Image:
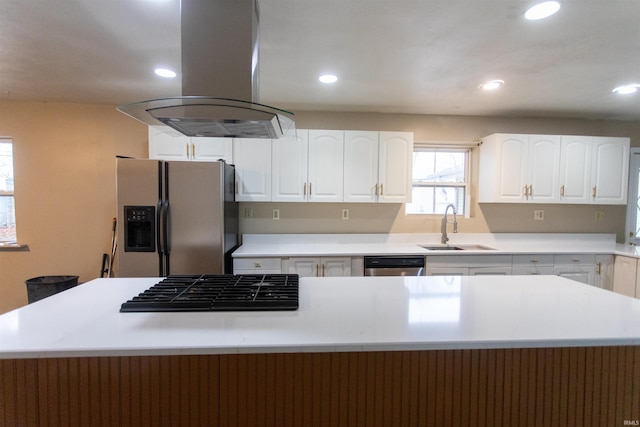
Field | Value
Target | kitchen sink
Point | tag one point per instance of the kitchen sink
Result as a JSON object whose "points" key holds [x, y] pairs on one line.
{"points": [[457, 248]]}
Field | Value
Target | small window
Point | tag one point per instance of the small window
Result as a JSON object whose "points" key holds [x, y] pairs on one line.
{"points": [[7, 203], [440, 178]]}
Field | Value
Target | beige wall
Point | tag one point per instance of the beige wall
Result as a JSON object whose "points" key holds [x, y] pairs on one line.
{"points": [[65, 185], [64, 160]]}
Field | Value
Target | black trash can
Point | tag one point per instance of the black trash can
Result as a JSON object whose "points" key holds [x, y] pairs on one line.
{"points": [[45, 286]]}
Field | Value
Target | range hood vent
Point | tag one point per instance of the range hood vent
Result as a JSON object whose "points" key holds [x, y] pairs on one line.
{"points": [[219, 42]]}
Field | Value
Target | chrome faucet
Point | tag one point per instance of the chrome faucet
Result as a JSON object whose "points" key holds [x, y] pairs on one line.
{"points": [[445, 239]]}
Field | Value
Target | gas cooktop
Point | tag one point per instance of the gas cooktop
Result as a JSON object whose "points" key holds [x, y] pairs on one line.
{"points": [[218, 293]]}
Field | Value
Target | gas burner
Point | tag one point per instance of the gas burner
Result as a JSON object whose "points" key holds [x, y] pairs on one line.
{"points": [[218, 293]]}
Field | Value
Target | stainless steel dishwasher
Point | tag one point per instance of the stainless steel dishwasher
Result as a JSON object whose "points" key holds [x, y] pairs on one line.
{"points": [[394, 265]]}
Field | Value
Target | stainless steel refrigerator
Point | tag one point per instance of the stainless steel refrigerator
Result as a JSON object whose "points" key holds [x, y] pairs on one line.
{"points": [[175, 218]]}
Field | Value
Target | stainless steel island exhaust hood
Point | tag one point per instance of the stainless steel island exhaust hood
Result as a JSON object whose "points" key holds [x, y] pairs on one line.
{"points": [[219, 77]]}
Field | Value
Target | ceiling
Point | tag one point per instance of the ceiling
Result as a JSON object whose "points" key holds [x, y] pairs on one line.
{"points": [[401, 56]]}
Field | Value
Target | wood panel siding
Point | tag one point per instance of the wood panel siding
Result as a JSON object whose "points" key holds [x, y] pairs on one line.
{"points": [[593, 386]]}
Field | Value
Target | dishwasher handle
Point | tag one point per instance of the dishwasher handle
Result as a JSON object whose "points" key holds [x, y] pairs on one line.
{"points": [[394, 262]]}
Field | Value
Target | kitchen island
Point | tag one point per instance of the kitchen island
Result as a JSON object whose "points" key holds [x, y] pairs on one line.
{"points": [[483, 350]]}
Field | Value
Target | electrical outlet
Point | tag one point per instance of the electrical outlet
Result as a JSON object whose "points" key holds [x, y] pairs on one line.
{"points": [[248, 213], [345, 213], [276, 214], [599, 216], [538, 214]]}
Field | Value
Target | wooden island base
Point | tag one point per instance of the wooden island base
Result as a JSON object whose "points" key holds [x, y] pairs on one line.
{"points": [[591, 386]]}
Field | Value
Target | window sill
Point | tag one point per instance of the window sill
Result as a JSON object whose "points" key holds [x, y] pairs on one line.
{"points": [[13, 247]]}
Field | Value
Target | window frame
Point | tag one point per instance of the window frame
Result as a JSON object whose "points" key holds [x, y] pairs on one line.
{"points": [[465, 147], [633, 209], [5, 193]]}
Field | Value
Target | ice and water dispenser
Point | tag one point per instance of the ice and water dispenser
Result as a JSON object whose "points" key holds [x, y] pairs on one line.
{"points": [[140, 229]]}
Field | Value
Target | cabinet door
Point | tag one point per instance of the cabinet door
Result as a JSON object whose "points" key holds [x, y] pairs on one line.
{"points": [[395, 167], [290, 167], [212, 149], [624, 275], [604, 272], [543, 169], [575, 169], [304, 266], [577, 271], [336, 267], [360, 166], [503, 168], [320, 267], [610, 170], [513, 151], [326, 161], [167, 146], [579, 267], [252, 157]]}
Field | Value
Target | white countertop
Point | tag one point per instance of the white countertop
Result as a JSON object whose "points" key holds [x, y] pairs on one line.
{"points": [[335, 314], [283, 245]]}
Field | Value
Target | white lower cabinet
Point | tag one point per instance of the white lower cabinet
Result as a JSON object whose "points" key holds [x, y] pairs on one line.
{"points": [[625, 277], [318, 266], [595, 270], [257, 266], [532, 264], [578, 267], [467, 265], [490, 271], [604, 272]]}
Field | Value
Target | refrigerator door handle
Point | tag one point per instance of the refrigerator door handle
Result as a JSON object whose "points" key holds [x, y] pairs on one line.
{"points": [[159, 238], [166, 242], [167, 228]]}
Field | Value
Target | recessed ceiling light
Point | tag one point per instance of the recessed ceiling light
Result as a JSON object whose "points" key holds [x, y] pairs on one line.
{"points": [[164, 72], [542, 10], [328, 78], [492, 85], [627, 89]]}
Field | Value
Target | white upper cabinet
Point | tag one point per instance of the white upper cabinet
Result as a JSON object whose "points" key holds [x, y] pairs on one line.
{"points": [[575, 169], [519, 168], [324, 166], [290, 168], [377, 166], [543, 173], [594, 170], [326, 161], [361, 156], [252, 158], [610, 170], [396, 154], [166, 144], [212, 149]]}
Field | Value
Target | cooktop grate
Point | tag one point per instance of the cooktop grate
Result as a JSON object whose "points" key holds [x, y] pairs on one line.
{"points": [[218, 293]]}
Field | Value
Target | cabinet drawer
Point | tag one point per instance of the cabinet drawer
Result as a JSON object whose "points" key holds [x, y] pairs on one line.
{"points": [[438, 261], [257, 264], [571, 259], [530, 259]]}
